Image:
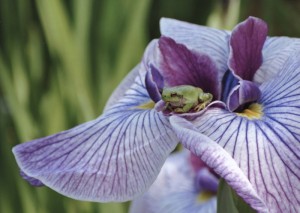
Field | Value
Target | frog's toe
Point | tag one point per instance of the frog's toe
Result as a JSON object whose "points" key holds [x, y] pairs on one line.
{"points": [[178, 110], [200, 107]]}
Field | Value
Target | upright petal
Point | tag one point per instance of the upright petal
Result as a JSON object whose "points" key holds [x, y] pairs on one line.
{"points": [[246, 44], [180, 66], [113, 158], [205, 40], [217, 159], [174, 190], [267, 149]]}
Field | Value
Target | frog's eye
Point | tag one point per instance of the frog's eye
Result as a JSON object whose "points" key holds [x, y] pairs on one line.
{"points": [[173, 94]]}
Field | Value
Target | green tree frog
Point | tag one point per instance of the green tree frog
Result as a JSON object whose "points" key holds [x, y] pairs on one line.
{"points": [[183, 98]]}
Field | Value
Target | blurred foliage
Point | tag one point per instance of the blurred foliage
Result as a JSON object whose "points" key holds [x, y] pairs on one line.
{"points": [[281, 15], [60, 60]]}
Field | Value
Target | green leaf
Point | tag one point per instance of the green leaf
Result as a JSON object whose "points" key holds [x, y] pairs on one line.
{"points": [[229, 201]]}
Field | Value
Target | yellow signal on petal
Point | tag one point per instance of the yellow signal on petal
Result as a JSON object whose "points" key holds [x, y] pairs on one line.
{"points": [[147, 105], [205, 196], [254, 111]]}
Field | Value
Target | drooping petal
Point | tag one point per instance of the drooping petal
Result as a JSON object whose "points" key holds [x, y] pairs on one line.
{"points": [[180, 66], [246, 44], [126, 83], [205, 40], [154, 83], [245, 92], [275, 53], [267, 149], [217, 159], [113, 158], [174, 190]]}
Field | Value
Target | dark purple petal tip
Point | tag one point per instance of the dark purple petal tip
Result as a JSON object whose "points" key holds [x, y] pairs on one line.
{"points": [[181, 66], [154, 83], [246, 45], [31, 180]]}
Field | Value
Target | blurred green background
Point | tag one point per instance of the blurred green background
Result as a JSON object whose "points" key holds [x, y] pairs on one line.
{"points": [[60, 61]]}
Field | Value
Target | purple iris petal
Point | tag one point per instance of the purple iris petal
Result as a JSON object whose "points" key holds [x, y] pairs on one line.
{"points": [[266, 149], [246, 44], [201, 39], [115, 157], [217, 159], [180, 66], [245, 92], [275, 53], [154, 83], [174, 190]]}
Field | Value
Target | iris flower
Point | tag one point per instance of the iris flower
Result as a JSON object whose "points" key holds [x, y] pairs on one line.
{"points": [[184, 184], [248, 134]]}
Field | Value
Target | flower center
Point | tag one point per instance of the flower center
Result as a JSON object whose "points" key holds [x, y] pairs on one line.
{"points": [[254, 111]]}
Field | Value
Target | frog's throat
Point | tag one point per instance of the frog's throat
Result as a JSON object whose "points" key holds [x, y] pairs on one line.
{"points": [[254, 111]]}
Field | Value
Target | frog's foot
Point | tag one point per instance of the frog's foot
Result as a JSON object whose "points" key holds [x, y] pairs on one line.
{"points": [[178, 110], [200, 107]]}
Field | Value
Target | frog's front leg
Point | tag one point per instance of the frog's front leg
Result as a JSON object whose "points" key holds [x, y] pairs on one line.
{"points": [[204, 100], [187, 107], [167, 106]]}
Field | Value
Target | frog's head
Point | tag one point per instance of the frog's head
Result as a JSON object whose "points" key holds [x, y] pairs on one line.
{"points": [[171, 95]]}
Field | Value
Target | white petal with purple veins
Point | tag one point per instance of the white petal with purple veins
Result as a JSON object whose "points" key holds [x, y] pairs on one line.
{"points": [[113, 158], [275, 53]]}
